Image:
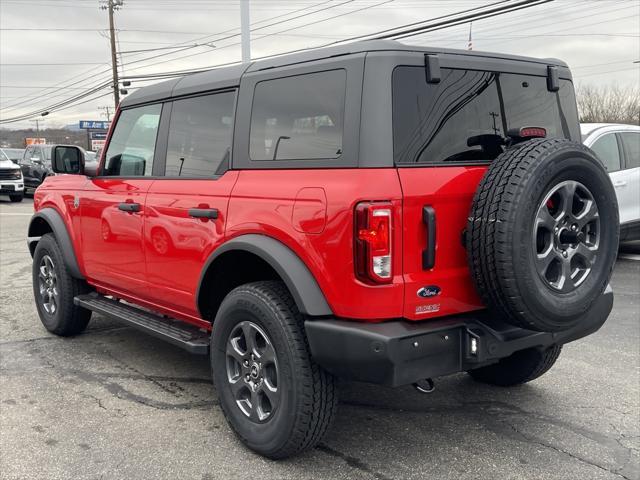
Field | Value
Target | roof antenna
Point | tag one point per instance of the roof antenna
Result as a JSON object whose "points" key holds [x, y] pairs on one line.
{"points": [[470, 44]]}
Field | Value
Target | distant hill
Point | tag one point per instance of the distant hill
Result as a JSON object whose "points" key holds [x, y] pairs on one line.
{"points": [[15, 138]]}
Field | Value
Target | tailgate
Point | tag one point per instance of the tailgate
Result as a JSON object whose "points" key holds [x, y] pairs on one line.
{"points": [[437, 279]]}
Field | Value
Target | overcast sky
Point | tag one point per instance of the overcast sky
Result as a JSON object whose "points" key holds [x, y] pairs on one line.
{"points": [[53, 49]]}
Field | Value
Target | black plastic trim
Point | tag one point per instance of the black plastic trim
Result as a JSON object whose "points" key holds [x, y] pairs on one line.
{"points": [[401, 352], [553, 82], [429, 253], [162, 140], [211, 213], [432, 68], [55, 221], [295, 274], [176, 332]]}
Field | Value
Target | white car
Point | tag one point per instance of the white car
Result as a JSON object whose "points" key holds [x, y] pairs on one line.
{"points": [[618, 147], [11, 181]]}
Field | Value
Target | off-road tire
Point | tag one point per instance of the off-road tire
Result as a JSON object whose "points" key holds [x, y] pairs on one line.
{"points": [[68, 318], [521, 367], [501, 226], [16, 198], [309, 397]]}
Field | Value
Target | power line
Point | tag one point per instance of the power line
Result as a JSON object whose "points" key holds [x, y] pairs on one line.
{"points": [[403, 31], [140, 60], [315, 4]]}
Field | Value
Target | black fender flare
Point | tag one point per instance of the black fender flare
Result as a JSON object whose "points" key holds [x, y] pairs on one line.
{"points": [[59, 229], [293, 271]]}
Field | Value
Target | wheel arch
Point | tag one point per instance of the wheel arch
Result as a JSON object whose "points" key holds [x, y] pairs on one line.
{"points": [[48, 220], [228, 267]]}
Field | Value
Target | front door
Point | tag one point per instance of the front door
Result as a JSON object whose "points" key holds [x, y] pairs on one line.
{"points": [[113, 204], [186, 209]]}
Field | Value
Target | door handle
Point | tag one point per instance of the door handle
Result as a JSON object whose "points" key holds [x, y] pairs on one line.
{"points": [[429, 253], [620, 183], [211, 213], [129, 207]]}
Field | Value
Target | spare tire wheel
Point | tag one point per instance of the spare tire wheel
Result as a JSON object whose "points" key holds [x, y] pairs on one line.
{"points": [[542, 235]]}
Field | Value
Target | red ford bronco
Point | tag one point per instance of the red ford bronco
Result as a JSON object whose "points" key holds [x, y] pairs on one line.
{"points": [[375, 211]]}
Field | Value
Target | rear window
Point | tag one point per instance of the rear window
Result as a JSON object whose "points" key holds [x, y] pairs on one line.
{"points": [[465, 117], [299, 117]]}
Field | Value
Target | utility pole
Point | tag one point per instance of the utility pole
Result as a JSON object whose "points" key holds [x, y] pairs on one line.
{"points": [[245, 34], [107, 112], [110, 7], [37, 122]]}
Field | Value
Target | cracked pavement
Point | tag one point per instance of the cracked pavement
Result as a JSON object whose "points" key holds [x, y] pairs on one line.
{"points": [[114, 403]]}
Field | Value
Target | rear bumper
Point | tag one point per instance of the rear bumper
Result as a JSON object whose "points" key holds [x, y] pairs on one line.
{"points": [[400, 352]]}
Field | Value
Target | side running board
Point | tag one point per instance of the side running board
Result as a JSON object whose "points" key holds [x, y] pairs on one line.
{"points": [[176, 332]]}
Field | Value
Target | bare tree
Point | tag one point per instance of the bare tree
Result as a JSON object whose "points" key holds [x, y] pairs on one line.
{"points": [[609, 104]]}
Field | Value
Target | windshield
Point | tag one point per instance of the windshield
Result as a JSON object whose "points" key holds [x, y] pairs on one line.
{"points": [[3, 156]]}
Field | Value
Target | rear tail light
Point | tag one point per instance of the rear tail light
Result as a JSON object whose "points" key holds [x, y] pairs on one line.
{"points": [[373, 242]]}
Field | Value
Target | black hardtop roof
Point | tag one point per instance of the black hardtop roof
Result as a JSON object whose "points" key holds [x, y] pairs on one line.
{"points": [[228, 77]]}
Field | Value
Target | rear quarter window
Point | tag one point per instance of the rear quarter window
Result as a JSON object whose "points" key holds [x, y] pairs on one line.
{"points": [[299, 117], [466, 116]]}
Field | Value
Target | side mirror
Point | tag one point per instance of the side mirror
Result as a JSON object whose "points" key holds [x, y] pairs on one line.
{"points": [[68, 159]]}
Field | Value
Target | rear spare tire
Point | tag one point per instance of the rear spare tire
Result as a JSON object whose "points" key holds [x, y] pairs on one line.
{"points": [[542, 235]]}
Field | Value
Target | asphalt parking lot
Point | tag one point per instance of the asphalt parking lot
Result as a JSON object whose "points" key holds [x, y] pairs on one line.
{"points": [[113, 403]]}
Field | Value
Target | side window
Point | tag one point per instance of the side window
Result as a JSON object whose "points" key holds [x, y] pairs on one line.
{"points": [[132, 145], [631, 142], [26, 156], [606, 148], [37, 154], [200, 135], [299, 117]]}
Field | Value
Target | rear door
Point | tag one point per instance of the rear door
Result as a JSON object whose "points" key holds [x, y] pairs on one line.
{"points": [[186, 208], [627, 182], [113, 204], [608, 148], [445, 135]]}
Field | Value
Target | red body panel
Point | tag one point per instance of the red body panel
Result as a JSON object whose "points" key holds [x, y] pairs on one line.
{"points": [[155, 257], [263, 202], [449, 190], [57, 192], [112, 246], [177, 246]]}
